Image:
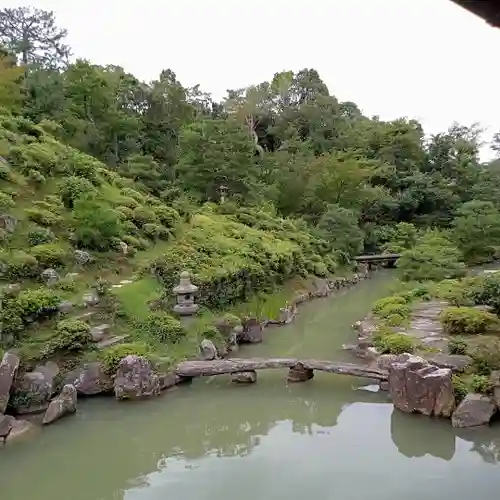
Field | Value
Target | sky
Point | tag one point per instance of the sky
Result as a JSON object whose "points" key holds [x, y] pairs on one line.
{"points": [[424, 59]]}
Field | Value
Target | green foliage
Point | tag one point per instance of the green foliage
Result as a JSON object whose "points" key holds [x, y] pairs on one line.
{"points": [[393, 343], [468, 320], [71, 335], [96, 225], [49, 254], [459, 388], [457, 346], [486, 357], [481, 384], [111, 357], [434, 258], [163, 328]]}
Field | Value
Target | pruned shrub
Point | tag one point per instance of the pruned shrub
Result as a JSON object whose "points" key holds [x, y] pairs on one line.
{"points": [[457, 346], [393, 343], [111, 357], [163, 328], [49, 254], [467, 320]]}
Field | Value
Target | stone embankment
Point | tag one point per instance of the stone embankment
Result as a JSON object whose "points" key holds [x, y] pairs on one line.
{"points": [[423, 384]]}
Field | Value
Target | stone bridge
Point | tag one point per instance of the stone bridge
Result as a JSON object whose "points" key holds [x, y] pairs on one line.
{"points": [[299, 370]]}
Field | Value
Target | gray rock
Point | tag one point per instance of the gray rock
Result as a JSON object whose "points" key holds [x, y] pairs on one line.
{"points": [[82, 257], [99, 332], [474, 410], [90, 379], [32, 392], [416, 386], [249, 377], [8, 223], [136, 379], [65, 307], [91, 299], [455, 362], [253, 332], [8, 369], [50, 276], [208, 351], [64, 404]]}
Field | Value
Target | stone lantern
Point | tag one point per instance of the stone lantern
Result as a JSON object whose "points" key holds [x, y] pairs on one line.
{"points": [[185, 291], [222, 193]]}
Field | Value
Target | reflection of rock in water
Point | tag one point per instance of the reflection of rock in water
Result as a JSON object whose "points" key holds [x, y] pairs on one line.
{"points": [[485, 441], [417, 436]]}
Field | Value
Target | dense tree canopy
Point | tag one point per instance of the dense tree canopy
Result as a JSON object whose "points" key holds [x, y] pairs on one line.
{"points": [[286, 142]]}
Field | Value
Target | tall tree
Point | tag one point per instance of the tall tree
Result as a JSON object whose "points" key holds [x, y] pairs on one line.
{"points": [[33, 36]]}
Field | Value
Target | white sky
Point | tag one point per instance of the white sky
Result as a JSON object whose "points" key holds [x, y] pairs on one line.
{"points": [[425, 59]]}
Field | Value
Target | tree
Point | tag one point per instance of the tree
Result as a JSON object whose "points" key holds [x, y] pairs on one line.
{"points": [[33, 37], [476, 230]]}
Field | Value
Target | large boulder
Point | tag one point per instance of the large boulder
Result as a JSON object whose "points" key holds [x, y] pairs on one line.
{"points": [[208, 351], [253, 331], [418, 387], [90, 379], [64, 404], [33, 391], [136, 378], [8, 369], [474, 410]]}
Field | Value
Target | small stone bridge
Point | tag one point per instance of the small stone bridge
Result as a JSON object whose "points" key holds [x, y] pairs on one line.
{"points": [[299, 371], [388, 258]]}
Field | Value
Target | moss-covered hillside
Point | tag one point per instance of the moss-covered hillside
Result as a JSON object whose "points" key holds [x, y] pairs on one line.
{"points": [[82, 246]]}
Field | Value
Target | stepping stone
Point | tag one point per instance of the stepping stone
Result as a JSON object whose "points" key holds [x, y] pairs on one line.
{"points": [[111, 341]]}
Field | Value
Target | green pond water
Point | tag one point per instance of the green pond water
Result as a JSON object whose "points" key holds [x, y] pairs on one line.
{"points": [[332, 437]]}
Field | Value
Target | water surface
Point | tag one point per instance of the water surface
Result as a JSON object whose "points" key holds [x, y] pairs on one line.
{"points": [[329, 438]]}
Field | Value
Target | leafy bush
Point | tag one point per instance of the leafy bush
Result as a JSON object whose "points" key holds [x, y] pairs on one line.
{"points": [[49, 254], [481, 384], [111, 357], [467, 320], [486, 357], [71, 335], [17, 264], [457, 346], [96, 225], [459, 388], [40, 236], [393, 343], [163, 328]]}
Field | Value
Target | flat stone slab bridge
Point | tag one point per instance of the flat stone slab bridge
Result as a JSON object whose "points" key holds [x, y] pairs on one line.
{"points": [[299, 370], [384, 258]]}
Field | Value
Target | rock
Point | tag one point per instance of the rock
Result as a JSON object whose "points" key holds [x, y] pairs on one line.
{"points": [[136, 378], [456, 362], [244, 377], [123, 247], [8, 369], [50, 276], [322, 288], [168, 380], [11, 428], [64, 404], [89, 379], [418, 387], [8, 223], [299, 373], [91, 299], [32, 392], [82, 257], [65, 307], [98, 332], [208, 350], [474, 410], [287, 314], [253, 332]]}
